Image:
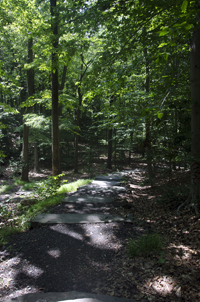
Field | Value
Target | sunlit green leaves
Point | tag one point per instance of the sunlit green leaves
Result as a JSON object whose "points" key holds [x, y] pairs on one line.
{"points": [[163, 44], [160, 115], [164, 32], [8, 108], [36, 121], [184, 6]]}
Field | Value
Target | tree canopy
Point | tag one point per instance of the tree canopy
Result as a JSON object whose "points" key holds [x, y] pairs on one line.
{"points": [[102, 71]]}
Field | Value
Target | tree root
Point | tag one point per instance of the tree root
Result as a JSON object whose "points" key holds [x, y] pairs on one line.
{"points": [[189, 203]]}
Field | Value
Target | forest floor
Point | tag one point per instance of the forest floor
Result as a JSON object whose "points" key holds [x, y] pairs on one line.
{"points": [[170, 276]]}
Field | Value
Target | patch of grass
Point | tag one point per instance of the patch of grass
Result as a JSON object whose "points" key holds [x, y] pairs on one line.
{"points": [[20, 220], [5, 188], [72, 187], [145, 245], [39, 207], [25, 185], [6, 232], [29, 185], [19, 182], [50, 195]]}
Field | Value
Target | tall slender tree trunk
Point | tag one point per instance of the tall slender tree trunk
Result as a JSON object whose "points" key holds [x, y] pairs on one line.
{"points": [[110, 133], [36, 161], [54, 80], [148, 151], [130, 148], [115, 147], [63, 78], [25, 163], [76, 137], [30, 84], [195, 118], [109, 161], [78, 115], [147, 124]]}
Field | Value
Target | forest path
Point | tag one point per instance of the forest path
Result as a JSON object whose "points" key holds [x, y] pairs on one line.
{"points": [[102, 190], [69, 257], [57, 262]]}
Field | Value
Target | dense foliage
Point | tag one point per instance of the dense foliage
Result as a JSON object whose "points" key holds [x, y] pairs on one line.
{"points": [[123, 81]]}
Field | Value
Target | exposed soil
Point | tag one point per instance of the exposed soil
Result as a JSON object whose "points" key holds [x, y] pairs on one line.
{"points": [[93, 257]]}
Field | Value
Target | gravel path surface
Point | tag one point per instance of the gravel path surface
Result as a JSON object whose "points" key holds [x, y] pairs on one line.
{"points": [[79, 257], [63, 258]]}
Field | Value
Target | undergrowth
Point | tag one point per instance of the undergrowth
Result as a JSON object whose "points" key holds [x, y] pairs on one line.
{"points": [[5, 188], [145, 245], [72, 187], [46, 193]]}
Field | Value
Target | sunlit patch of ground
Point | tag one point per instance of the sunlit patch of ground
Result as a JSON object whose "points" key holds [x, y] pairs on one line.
{"points": [[163, 286], [9, 269]]}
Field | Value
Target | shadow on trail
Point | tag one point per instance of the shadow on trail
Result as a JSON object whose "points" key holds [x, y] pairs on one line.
{"points": [[60, 258]]}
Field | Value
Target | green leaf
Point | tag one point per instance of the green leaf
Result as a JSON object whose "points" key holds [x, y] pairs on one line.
{"points": [[166, 56], [184, 6], [162, 44], [163, 32], [160, 115], [162, 260]]}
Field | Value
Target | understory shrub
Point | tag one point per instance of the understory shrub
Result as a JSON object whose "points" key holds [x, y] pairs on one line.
{"points": [[145, 245], [48, 187], [46, 193]]}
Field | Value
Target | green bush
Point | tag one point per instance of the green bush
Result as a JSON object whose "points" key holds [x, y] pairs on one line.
{"points": [[145, 245], [47, 193], [5, 188], [48, 187]]}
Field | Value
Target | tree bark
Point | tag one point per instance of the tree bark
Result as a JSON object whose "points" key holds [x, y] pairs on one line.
{"points": [[36, 161], [76, 137], [54, 80], [63, 78], [130, 148], [25, 164], [78, 115], [148, 128], [110, 133], [148, 151], [109, 161], [30, 84], [195, 114]]}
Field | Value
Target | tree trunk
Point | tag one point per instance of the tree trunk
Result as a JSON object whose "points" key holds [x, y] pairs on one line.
{"points": [[149, 152], [63, 78], [115, 148], [148, 128], [30, 84], [76, 137], [80, 98], [130, 148], [36, 162], [25, 164], [109, 161], [195, 118], [110, 132], [54, 80]]}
